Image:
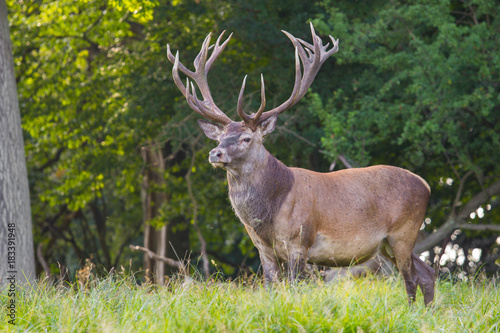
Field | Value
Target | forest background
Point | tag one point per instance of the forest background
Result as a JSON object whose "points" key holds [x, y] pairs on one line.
{"points": [[115, 157]]}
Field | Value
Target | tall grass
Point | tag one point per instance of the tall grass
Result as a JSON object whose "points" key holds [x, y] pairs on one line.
{"points": [[372, 304]]}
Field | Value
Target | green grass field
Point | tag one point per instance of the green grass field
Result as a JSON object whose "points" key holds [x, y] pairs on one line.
{"points": [[372, 304]]}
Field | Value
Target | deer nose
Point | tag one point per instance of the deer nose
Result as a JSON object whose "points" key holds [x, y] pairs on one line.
{"points": [[215, 155]]}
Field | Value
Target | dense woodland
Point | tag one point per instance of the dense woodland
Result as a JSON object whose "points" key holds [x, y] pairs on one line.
{"points": [[115, 156]]}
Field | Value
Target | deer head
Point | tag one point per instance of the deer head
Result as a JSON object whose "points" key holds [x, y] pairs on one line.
{"points": [[240, 141]]}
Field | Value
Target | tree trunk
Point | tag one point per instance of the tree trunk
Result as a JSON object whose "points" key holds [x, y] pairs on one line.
{"points": [[16, 239], [153, 197]]}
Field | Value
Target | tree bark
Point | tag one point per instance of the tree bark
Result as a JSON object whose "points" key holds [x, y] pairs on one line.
{"points": [[153, 197], [17, 255]]}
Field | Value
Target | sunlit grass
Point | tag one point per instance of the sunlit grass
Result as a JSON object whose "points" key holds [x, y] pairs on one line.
{"points": [[371, 304]]}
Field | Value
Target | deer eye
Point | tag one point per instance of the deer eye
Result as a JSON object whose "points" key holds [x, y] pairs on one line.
{"points": [[247, 140]]}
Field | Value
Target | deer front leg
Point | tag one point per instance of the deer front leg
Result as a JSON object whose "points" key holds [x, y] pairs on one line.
{"points": [[270, 268], [296, 265]]}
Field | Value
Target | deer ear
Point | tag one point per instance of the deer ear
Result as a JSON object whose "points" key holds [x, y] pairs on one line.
{"points": [[211, 130], [268, 125]]}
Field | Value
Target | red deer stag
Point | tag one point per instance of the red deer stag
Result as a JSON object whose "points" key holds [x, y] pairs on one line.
{"points": [[300, 216]]}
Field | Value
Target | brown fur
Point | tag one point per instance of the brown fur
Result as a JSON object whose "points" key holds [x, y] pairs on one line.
{"points": [[251, 202]]}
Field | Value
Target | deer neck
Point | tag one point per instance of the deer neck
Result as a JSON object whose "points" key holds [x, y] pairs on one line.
{"points": [[257, 195]]}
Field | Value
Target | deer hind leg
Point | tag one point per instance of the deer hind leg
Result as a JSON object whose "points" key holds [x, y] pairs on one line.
{"points": [[425, 278], [403, 256], [425, 274]]}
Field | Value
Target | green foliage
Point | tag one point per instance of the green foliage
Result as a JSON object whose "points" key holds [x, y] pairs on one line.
{"points": [[142, 10], [80, 139], [419, 78], [117, 303]]}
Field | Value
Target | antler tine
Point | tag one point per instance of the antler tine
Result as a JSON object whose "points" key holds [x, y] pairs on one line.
{"points": [[192, 101], [252, 120], [202, 55], [262, 97], [294, 96], [239, 108], [198, 106], [175, 72], [171, 57], [207, 108], [217, 49], [312, 56]]}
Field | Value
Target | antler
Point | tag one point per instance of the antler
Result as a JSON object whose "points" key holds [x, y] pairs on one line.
{"points": [[207, 107], [312, 57]]}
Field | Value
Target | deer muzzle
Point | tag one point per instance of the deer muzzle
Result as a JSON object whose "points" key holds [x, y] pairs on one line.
{"points": [[218, 157]]}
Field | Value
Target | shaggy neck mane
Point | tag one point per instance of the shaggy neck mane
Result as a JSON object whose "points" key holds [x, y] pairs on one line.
{"points": [[257, 198]]}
